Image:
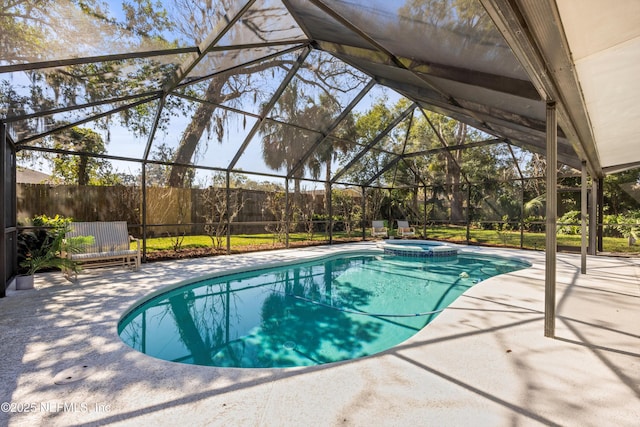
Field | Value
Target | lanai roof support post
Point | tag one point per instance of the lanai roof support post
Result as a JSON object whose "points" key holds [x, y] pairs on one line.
{"points": [[287, 212], [522, 213], [593, 217], [227, 200], [4, 266], [364, 213], [11, 226], [330, 204], [426, 214], [583, 219], [600, 219], [145, 158], [550, 228], [143, 190], [468, 213]]}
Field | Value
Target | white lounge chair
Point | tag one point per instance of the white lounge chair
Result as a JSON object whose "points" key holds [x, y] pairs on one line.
{"points": [[378, 229], [405, 230]]}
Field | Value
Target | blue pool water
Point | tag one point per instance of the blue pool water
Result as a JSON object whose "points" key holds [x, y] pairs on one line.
{"points": [[332, 309]]}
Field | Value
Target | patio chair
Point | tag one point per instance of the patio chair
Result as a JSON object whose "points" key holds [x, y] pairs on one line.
{"points": [[404, 229], [110, 246], [378, 229]]}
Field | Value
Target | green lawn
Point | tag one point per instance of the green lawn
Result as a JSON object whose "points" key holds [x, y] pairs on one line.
{"points": [[534, 241], [239, 240], [530, 240]]}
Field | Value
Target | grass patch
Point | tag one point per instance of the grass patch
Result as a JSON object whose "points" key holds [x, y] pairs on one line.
{"points": [[536, 241], [238, 240]]}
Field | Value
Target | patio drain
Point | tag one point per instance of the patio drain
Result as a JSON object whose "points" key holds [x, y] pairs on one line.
{"points": [[73, 374]]}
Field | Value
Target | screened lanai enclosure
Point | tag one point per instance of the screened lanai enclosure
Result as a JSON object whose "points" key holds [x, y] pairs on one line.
{"points": [[257, 124]]}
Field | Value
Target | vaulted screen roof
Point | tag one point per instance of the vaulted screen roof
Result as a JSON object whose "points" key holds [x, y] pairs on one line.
{"points": [[493, 64]]}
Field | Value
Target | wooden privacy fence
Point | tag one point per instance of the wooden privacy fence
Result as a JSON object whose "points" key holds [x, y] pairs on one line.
{"points": [[165, 205], [82, 203]]}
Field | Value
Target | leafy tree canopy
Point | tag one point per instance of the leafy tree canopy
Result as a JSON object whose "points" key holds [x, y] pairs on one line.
{"points": [[81, 170]]}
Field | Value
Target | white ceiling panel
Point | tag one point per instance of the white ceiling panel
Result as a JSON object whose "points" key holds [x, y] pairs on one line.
{"points": [[604, 40], [594, 25]]}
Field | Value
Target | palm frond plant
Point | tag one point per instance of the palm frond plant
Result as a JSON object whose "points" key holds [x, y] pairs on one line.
{"points": [[52, 255], [51, 251]]}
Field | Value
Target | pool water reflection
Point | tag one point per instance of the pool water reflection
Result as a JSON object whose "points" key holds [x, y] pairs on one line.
{"points": [[332, 309]]}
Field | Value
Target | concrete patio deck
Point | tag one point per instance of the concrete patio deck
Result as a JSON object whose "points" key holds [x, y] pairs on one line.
{"points": [[483, 362]]}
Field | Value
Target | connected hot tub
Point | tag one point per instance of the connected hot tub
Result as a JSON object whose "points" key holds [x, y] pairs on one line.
{"points": [[417, 248]]}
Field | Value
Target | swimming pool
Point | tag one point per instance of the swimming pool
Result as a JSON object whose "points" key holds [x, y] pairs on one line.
{"points": [[334, 308]]}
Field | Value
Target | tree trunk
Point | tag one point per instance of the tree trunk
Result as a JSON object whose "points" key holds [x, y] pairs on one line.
{"points": [[189, 334], [414, 203], [201, 119], [454, 174], [193, 133], [83, 178], [327, 187], [455, 195]]}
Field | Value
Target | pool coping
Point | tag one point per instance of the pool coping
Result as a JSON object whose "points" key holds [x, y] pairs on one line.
{"points": [[483, 361]]}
